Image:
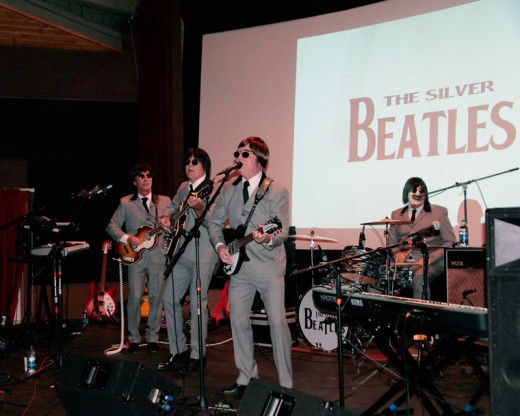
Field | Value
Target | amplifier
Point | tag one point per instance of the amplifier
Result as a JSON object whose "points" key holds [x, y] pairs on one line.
{"points": [[465, 284], [261, 334]]}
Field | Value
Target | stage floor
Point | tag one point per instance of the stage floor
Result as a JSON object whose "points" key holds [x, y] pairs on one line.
{"points": [[365, 378]]}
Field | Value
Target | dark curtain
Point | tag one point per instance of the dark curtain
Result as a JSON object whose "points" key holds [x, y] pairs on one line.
{"points": [[160, 92], [14, 204]]}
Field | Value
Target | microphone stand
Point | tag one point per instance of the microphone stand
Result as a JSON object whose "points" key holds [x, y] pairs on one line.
{"points": [[339, 302], [194, 232], [426, 259], [465, 186]]}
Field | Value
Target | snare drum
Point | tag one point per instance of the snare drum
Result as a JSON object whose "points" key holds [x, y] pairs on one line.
{"points": [[362, 269], [318, 329]]}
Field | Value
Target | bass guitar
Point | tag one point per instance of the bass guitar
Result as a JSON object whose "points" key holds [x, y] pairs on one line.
{"points": [[101, 305], [171, 243], [130, 254], [237, 245]]}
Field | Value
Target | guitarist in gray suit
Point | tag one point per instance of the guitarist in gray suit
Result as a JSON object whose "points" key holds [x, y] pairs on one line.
{"points": [[421, 215], [261, 266], [187, 206], [136, 213]]}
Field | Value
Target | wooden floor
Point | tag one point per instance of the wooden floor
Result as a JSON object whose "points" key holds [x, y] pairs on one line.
{"points": [[65, 390]]}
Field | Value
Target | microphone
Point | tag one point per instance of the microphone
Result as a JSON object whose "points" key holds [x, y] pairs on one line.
{"points": [[468, 292], [362, 238], [97, 190], [93, 190], [324, 258], [229, 169], [425, 232]]}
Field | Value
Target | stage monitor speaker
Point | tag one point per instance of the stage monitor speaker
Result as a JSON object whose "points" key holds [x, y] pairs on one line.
{"points": [[265, 399], [503, 286], [97, 386], [465, 276]]}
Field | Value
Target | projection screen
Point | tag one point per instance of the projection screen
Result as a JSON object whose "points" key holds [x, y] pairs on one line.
{"points": [[354, 103]]}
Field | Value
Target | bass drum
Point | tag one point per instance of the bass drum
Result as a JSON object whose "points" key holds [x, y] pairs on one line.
{"points": [[362, 269], [318, 329]]}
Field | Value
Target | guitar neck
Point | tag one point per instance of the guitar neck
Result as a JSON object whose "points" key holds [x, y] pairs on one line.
{"points": [[177, 217], [103, 273], [153, 232], [244, 241]]}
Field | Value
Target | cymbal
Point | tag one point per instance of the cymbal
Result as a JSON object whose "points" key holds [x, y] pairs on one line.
{"points": [[313, 237], [387, 221], [358, 278]]}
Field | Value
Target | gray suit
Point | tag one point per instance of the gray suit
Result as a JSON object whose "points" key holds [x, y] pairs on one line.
{"points": [[264, 272], [131, 215], [184, 275], [446, 238]]}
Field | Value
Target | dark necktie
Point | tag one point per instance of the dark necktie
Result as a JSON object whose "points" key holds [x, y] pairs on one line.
{"points": [[145, 199], [413, 215], [245, 192]]}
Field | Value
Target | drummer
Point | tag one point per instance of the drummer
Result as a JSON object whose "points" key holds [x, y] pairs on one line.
{"points": [[421, 215]]}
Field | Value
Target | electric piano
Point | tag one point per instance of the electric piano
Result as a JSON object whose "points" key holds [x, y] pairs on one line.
{"points": [[390, 319], [414, 313], [68, 248]]}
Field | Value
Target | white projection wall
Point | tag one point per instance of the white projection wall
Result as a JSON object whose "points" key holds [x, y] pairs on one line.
{"points": [[354, 103]]}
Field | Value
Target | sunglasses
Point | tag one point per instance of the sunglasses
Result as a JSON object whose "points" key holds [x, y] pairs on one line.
{"points": [[245, 154], [142, 175], [194, 162]]}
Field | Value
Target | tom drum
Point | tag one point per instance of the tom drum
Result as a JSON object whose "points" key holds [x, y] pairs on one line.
{"points": [[363, 269]]}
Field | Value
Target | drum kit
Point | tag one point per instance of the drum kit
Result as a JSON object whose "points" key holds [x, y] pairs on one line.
{"points": [[360, 269]]}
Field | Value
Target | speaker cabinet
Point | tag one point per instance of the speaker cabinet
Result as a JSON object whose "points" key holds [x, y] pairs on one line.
{"points": [[465, 276], [265, 399], [503, 283], [93, 386]]}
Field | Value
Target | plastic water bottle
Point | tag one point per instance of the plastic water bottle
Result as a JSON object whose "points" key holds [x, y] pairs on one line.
{"points": [[84, 319], [30, 361], [463, 234]]}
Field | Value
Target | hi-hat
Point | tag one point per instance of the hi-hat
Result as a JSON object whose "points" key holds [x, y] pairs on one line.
{"points": [[387, 221], [313, 237]]}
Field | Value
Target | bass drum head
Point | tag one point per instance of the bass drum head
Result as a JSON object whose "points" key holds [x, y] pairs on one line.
{"points": [[318, 329]]}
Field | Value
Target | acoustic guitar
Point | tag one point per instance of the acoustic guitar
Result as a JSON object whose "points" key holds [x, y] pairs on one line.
{"points": [[100, 305]]}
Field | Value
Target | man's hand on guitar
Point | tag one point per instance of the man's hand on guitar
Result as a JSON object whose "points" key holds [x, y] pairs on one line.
{"points": [[165, 223], [196, 203], [260, 237], [224, 254], [134, 240]]}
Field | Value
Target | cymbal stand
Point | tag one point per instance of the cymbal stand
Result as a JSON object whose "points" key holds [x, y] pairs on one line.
{"points": [[389, 289]]}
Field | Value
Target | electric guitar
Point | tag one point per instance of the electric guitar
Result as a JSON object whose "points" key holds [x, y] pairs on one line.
{"points": [[130, 254], [237, 246], [101, 305], [171, 240]]}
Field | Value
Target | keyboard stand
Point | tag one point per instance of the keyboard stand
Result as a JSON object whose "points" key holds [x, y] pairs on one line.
{"points": [[416, 374]]}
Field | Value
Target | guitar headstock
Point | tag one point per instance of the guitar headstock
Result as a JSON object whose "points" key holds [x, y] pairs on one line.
{"points": [[272, 225], [106, 246], [205, 190]]}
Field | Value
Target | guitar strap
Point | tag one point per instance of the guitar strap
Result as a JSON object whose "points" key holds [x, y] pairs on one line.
{"points": [[260, 193]]}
